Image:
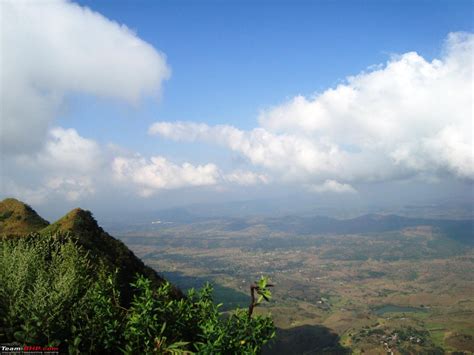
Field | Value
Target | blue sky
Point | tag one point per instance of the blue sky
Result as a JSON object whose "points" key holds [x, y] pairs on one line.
{"points": [[231, 59], [174, 102]]}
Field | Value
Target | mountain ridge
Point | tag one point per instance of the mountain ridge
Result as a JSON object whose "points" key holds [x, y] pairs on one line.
{"points": [[461, 230], [80, 225]]}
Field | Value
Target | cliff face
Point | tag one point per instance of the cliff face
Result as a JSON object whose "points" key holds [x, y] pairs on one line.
{"points": [[18, 219]]}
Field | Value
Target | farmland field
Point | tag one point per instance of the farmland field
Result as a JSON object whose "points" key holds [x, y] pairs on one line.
{"points": [[406, 290]]}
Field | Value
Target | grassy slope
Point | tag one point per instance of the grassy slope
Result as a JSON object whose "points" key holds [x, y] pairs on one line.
{"points": [[82, 225], [17, 218]]}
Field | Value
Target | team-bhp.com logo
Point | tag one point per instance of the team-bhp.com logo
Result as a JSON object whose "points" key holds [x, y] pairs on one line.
{"points": [[28, 349]]}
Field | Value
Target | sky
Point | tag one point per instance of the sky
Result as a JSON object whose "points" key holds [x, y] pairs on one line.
{"points": [[119, 105]]}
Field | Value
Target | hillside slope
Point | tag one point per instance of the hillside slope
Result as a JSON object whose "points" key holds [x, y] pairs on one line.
{"points": [[17, 218], [82, 225]]}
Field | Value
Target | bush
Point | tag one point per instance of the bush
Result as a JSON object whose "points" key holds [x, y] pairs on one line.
{"points": [[42, 280]]}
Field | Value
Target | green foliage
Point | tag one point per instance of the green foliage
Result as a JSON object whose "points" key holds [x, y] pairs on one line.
{"points": [[239, 334], [157, 322], [53, 294], [41, 280], [262, 290]]}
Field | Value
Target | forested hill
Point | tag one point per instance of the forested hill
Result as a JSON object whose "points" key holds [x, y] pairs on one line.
{"points": [[17, 219]]}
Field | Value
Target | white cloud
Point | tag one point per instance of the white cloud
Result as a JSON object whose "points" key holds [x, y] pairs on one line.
{"points": [[67, 188], [453, 148], [331, 186], [246, 178], [51, 48], [158, 173], [289, 154], [72, 188], [36, 195], [74, 168], [409, 118], [68, 166], [67, 150], [64, 152]]}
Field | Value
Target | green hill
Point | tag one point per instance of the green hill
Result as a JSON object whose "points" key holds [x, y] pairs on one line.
{"points": [[17, 218], [81, 225]]}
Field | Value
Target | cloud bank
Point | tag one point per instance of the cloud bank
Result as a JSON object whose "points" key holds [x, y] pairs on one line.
{"points": [[68, 166], [408, 119], [72, 167], [158, 173], [53, 48]]}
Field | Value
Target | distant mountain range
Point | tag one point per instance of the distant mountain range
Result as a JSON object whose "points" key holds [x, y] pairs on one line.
{"points": [[19, 220], [461, 230]]}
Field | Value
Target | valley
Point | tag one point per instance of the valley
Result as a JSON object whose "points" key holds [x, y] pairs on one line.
{"points": [[401, 287]]}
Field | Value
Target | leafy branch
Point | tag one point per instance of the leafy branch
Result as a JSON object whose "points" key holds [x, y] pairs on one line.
{"points": [[261, 288]]}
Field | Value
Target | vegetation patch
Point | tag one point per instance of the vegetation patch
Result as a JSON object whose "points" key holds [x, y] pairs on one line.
{"points": [[54, 294]]}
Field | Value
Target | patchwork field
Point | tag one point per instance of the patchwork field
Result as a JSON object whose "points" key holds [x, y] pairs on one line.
{"points": [[405, 290]]}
